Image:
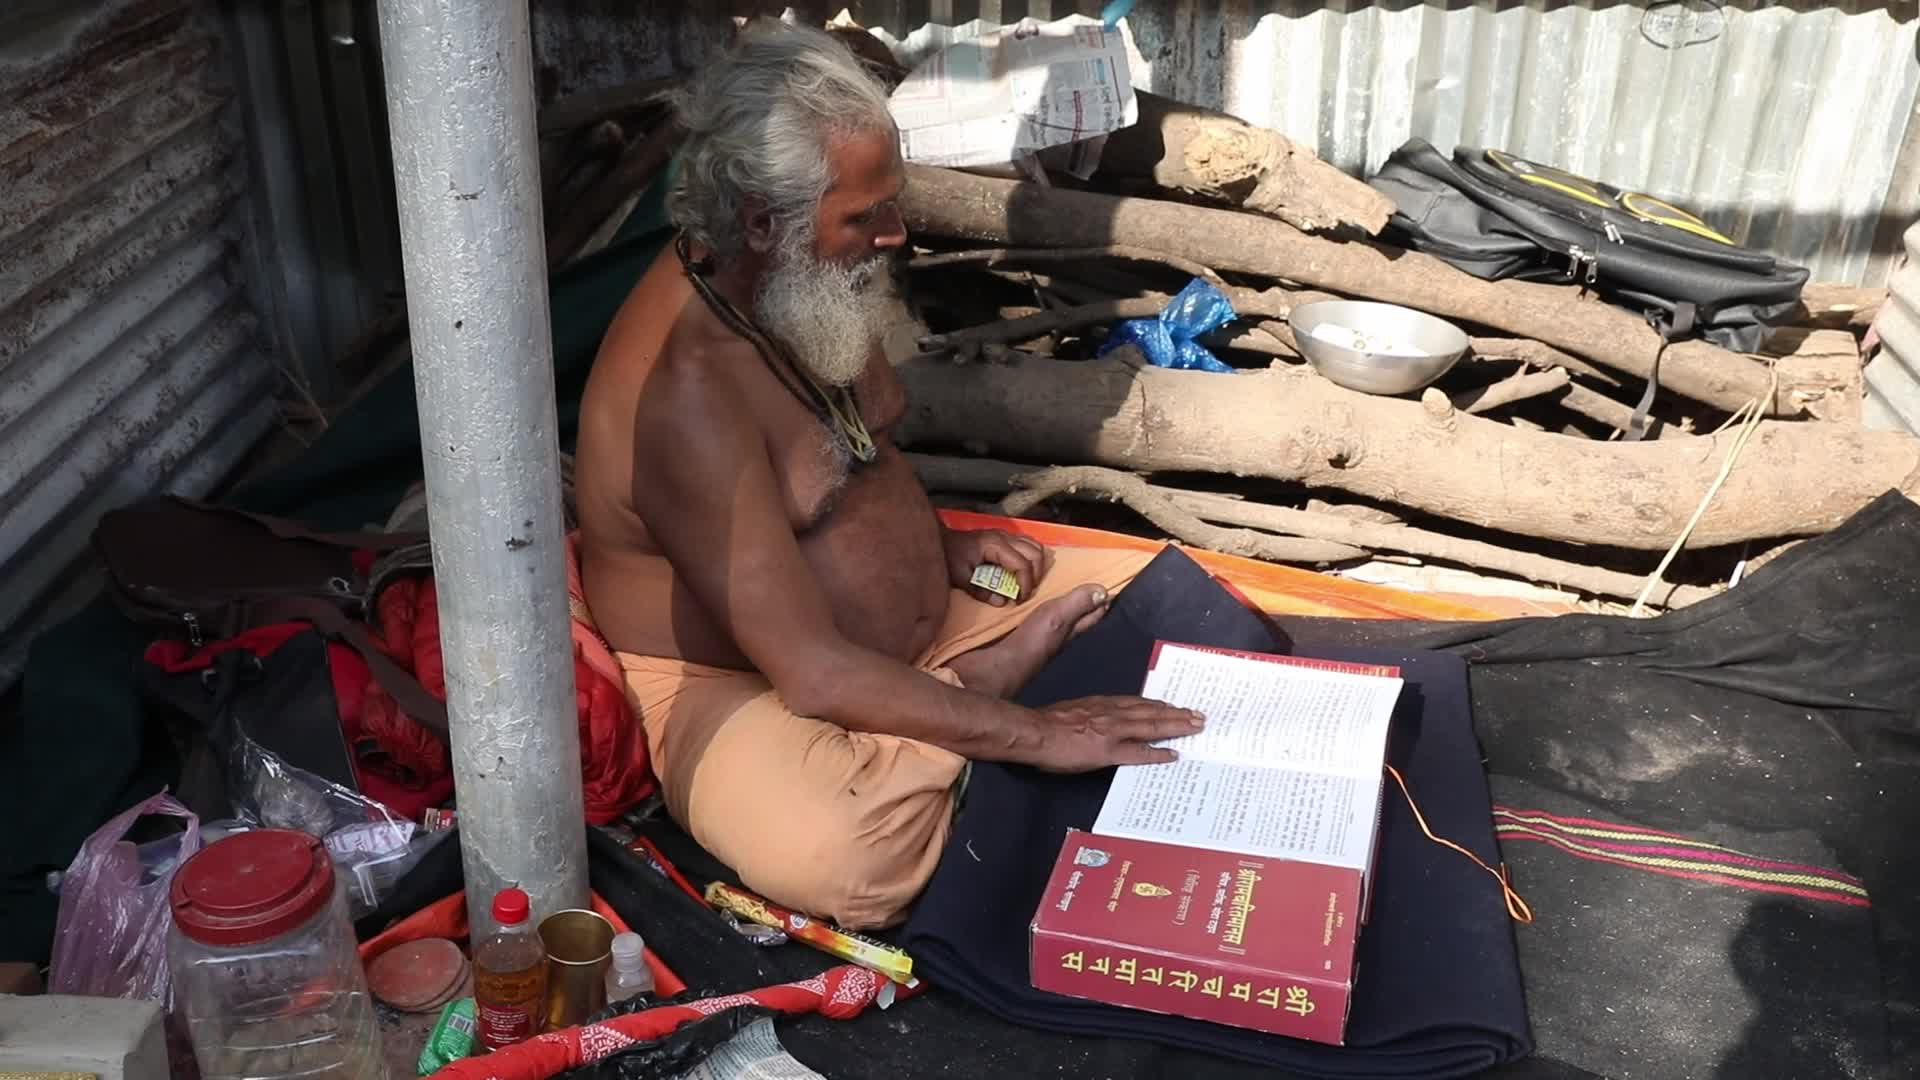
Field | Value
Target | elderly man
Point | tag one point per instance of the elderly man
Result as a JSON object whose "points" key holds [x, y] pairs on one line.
{"points": [[794, 621]]}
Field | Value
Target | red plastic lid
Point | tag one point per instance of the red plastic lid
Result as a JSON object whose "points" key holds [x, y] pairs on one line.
{"points": [[251, 886], [511, 907]]}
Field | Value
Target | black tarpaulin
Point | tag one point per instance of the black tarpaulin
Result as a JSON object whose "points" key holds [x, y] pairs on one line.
{"points": [[1777, 720], [1439, 993]]}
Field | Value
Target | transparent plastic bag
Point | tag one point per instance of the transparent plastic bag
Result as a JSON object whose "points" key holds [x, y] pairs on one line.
{"points": [[111, 936], [371, 847]]}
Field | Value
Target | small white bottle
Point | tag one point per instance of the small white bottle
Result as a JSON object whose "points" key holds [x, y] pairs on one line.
{"points": [[629, 976]]}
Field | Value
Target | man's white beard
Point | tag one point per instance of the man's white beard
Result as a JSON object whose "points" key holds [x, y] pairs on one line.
{"points": [[829, 315]]}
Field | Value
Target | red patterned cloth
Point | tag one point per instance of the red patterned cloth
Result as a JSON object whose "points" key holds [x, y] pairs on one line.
{"points": [[840, 994]]}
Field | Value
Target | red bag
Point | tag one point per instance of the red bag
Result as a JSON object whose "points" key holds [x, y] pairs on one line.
{"points": [[615, 769], [222, 580]]}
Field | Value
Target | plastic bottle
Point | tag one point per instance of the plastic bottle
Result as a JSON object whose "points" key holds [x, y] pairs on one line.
{"points": [[629, 976], [509, 976]]}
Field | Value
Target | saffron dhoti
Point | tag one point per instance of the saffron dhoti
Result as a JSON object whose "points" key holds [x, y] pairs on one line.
{"points": [[839, 823]]}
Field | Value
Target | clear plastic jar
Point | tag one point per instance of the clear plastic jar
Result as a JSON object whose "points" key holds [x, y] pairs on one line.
{"points": [[266, 970]]}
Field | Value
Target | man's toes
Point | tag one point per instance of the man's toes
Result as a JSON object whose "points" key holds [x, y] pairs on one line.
{"points": [[1101, 601], [1088, 620], [1077, 610]]}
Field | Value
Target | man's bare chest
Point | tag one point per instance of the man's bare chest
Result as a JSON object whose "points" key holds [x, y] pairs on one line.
{"points": [[815, 467]]}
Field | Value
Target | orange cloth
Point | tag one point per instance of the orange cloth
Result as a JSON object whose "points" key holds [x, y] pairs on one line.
{"points": [[1274, 589], [814, 817]]}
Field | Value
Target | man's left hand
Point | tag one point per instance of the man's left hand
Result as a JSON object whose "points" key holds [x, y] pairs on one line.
{"points": [[1027, 560]]}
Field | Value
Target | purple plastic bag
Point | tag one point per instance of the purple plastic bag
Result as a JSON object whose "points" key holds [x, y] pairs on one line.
{"points": [[111, 937]]}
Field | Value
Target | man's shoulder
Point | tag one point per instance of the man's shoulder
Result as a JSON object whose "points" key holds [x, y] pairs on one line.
{"points": [[694, 379], [701, 359], [664, 338]]}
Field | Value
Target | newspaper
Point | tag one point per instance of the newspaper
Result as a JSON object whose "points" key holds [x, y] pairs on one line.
{"points": [[754, 1054], [984, 95]]}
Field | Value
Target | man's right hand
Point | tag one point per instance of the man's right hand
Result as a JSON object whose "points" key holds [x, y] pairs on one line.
{"points": [[1092, 733]]}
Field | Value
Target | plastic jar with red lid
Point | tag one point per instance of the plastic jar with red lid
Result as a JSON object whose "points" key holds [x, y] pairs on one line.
{"points": [[266, 970]]}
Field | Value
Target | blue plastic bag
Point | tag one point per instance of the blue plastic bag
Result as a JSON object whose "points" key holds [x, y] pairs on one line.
{"points": [[1168, 341]]}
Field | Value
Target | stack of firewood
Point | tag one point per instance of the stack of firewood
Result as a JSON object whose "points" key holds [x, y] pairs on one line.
{"points": [[1513, 463]]}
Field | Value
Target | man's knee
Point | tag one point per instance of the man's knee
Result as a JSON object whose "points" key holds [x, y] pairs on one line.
{"points": [[820, 819], [860, 865]]}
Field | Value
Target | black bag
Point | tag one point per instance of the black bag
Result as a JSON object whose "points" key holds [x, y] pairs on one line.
{"points": [[1495, 215], [206, 573]]}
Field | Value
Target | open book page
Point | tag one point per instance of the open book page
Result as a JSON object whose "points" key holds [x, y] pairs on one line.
{"points": [[1287, 767], [1271, 812], [1264, 712]]}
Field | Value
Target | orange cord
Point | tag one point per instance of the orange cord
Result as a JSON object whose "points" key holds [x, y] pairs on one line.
{"points": [[1516, 904]]}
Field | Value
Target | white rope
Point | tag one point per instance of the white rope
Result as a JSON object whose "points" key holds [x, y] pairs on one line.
{"points": [[1748, 417]]}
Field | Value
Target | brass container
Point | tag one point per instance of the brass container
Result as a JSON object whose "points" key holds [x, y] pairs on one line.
{"points": [[579, 947]]}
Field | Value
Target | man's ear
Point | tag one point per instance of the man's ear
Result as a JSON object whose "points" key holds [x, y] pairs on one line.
{"points": [[757, 224]]}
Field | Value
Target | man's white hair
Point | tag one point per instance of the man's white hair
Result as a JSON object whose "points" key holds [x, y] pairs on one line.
{"points": [[758, 120]]}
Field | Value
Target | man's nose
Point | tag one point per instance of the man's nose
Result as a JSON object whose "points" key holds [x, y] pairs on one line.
{"points": [[891, 231]]}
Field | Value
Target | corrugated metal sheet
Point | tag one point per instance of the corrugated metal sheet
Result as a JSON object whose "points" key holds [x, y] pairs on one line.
{"points": [[1779, 123], [313, 99], [1893, 376], [581, 45], [129, 361], [310, 98]]}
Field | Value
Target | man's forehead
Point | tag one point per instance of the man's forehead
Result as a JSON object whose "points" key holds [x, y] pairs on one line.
{"points": [[868, 162]]}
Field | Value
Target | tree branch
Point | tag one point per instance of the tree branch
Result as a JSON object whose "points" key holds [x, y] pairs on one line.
{"points": [[998, 256], [643, 159], [985, 476], [1527, 384], [1283, 424], [1537, 354], [1247, 303], [1152, 504]]}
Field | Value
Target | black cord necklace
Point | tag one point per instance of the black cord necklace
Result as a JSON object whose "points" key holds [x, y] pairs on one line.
{"points": [[837, 408]]}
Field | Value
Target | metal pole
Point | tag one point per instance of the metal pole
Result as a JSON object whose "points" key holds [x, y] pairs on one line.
{"points": [[460, 107]]}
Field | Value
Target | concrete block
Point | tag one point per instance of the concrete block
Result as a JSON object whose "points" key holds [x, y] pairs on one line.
{"points": [[107, 1037]]}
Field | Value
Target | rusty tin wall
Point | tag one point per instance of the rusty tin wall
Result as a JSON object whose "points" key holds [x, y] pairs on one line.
{"points": [[129, 355], [312, 97]]}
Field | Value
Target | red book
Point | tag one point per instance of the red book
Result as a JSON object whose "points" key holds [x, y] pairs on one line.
{"points": [[1255, 943], [1230, 885]]}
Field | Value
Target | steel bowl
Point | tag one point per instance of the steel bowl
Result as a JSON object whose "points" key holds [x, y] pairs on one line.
{"points": [[1433, 345]]}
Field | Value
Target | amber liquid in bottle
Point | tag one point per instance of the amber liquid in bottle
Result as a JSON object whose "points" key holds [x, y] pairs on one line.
{"points": [[509, 986]]}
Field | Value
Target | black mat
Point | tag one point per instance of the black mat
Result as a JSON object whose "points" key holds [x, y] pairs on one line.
{"points": [[1439, 992]]}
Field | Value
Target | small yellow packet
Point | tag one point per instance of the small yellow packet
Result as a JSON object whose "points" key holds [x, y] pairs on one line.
{"points": [[995, 579]]}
